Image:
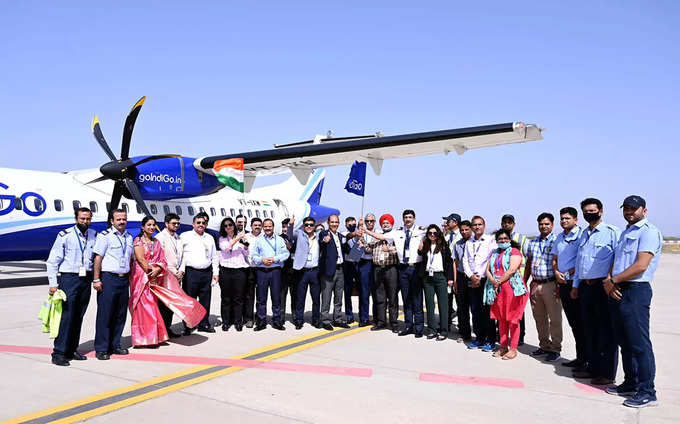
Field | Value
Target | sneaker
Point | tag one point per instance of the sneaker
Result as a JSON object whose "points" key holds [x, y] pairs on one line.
{"points": [[539, 352], [475, 344], [488, 347], [640, 401], [552, 357], [620, 390]]}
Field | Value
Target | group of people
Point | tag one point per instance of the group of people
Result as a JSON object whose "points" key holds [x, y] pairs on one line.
{"points": [[599, 276]]}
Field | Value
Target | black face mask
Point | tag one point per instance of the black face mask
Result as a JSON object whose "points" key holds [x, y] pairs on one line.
{"points": [[351, 228], [82, 227], [591, 217]]}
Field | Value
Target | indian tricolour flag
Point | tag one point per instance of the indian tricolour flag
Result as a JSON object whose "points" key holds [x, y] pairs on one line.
{"points": [[230, 173]]}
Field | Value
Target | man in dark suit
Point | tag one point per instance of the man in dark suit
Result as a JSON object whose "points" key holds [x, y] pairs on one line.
{"points": [[332, 276]]}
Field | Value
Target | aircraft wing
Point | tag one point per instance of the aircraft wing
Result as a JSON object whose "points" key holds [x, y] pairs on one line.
{"points": [[301, 158]]}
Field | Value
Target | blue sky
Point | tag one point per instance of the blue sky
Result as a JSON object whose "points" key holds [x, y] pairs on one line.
{"points": [[601, 77]]}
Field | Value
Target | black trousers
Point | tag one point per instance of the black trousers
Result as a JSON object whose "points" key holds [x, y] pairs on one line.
{"points": [[482, 324], [288, 284], [232, 294], [77, 291], [386, 294], [166, 313], [572, 309], [112, 306], [601, 350], [249, 298], [463, 302], [197, 284], [308, 278]]}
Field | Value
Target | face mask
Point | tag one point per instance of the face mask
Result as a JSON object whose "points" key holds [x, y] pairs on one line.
{"points": [[504, 245], [591, 217], [82, 227], [351, 228]]}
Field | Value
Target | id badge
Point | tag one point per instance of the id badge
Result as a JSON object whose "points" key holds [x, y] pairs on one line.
{"points": [[82, 272], [123, 263], [430, 273]]}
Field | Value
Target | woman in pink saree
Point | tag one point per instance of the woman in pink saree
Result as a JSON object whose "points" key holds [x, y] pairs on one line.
{"points": [[150, 281]]}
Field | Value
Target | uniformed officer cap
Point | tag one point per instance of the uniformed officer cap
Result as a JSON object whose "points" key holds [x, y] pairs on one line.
{"points": [[453, 217], [634, 201]]}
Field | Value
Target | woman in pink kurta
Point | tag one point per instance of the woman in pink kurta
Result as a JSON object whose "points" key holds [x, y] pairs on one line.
{"points": [[148, 328]]}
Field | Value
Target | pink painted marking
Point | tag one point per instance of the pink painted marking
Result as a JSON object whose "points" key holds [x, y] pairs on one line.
{"points": [[470, 380], [587, 388], [199, 360]]}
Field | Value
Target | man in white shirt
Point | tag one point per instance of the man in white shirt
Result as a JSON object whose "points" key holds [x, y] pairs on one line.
{"points": [[172, 249], [200, 266], [249, 300], [475, 261]]}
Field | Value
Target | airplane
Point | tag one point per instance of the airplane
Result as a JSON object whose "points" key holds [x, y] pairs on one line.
{"points": [[36, 205]]}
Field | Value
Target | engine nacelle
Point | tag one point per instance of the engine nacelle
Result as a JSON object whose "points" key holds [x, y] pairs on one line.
{"points": [[172, 178]]}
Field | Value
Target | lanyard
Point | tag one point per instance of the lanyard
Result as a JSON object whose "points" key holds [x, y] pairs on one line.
{"points": [[431, 259], [80, 244], [476, 251], [270, 244], [123, 243], [541, 247]]}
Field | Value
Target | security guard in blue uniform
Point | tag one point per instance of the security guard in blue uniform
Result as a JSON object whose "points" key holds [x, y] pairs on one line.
{"points": [[71, 258], [113, 251], [636, 258]]}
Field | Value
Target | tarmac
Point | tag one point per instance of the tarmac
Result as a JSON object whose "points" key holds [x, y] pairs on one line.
{"points": [[310, 375]]}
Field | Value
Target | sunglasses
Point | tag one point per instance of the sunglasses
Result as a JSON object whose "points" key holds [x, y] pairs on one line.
{"points": [[370, 220], [200, 222], [174, 223], [431, 233], [228, 225], [309, 225]]}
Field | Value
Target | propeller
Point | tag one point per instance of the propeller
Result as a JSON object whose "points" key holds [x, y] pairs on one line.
{"points": [[123, 171]]}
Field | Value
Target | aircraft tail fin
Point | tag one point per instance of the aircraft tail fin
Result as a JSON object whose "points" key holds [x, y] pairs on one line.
{"points": [[311, 193]]}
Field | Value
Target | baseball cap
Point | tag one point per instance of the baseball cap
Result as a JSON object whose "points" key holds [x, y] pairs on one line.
{"points": [[508, 217], [634, 201], [453, 217]]}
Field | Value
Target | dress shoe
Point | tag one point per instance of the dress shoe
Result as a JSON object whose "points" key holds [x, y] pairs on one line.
{"points": [[120, 351], [539, 352], [418, 334], [62, 362], [378, 327], [601, 381], [432, 336], [340, 324], [327, 327], [260, 327], [78, 357], [582, 374], [238, 327], [173, 334], [187, 331], [298, 326], [350, 320], [278, 326], [316, 324], [102, 356], [441, 337], [406, 332], [225, 327], [249, 324], [363, 324], [572, 364], [206, 329], [395, 330]]}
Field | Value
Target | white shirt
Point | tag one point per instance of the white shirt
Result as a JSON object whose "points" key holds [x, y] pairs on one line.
{"points": [[172, 247], [198, 251], [434, 261], [399, 238], [250, 238], [336, 239], [477, 253]]}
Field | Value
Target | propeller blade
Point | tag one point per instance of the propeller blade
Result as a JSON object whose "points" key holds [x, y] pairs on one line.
{"points": [[97, 180], [155, 157], [129, 126], [137, 195], [97, 131], [116, 195]]}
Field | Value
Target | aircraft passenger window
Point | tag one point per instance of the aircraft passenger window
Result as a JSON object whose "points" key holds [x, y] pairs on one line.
{"points": [[18, 205], [139, 208], [108, 206], [166, 209], [178, 210], [265, 214], [93, 207], [76, 205], [272, 214], [240, 211], [58, 205], [212, 212], [250, 213], [223, 212], [201, 209], [126, 208], [192, 212], [257, 213], [232, 212], [154, 209]]}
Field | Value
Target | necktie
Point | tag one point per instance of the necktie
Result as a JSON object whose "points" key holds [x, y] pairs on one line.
{"points": [[406, 244], [450, 238]]}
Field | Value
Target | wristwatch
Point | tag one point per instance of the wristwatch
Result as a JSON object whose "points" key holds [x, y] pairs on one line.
{"points": [[97, 281]]}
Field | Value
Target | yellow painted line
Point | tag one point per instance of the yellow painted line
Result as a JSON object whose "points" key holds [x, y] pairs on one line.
{"points": [[180, 385]]}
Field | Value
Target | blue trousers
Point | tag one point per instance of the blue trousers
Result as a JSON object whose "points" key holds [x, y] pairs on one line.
{"points": [[411, 287], [631, 328], [112, 305], [365, 288], [351, 271], [77, 291], [601, 351], [308, 278], [269, 279]]}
